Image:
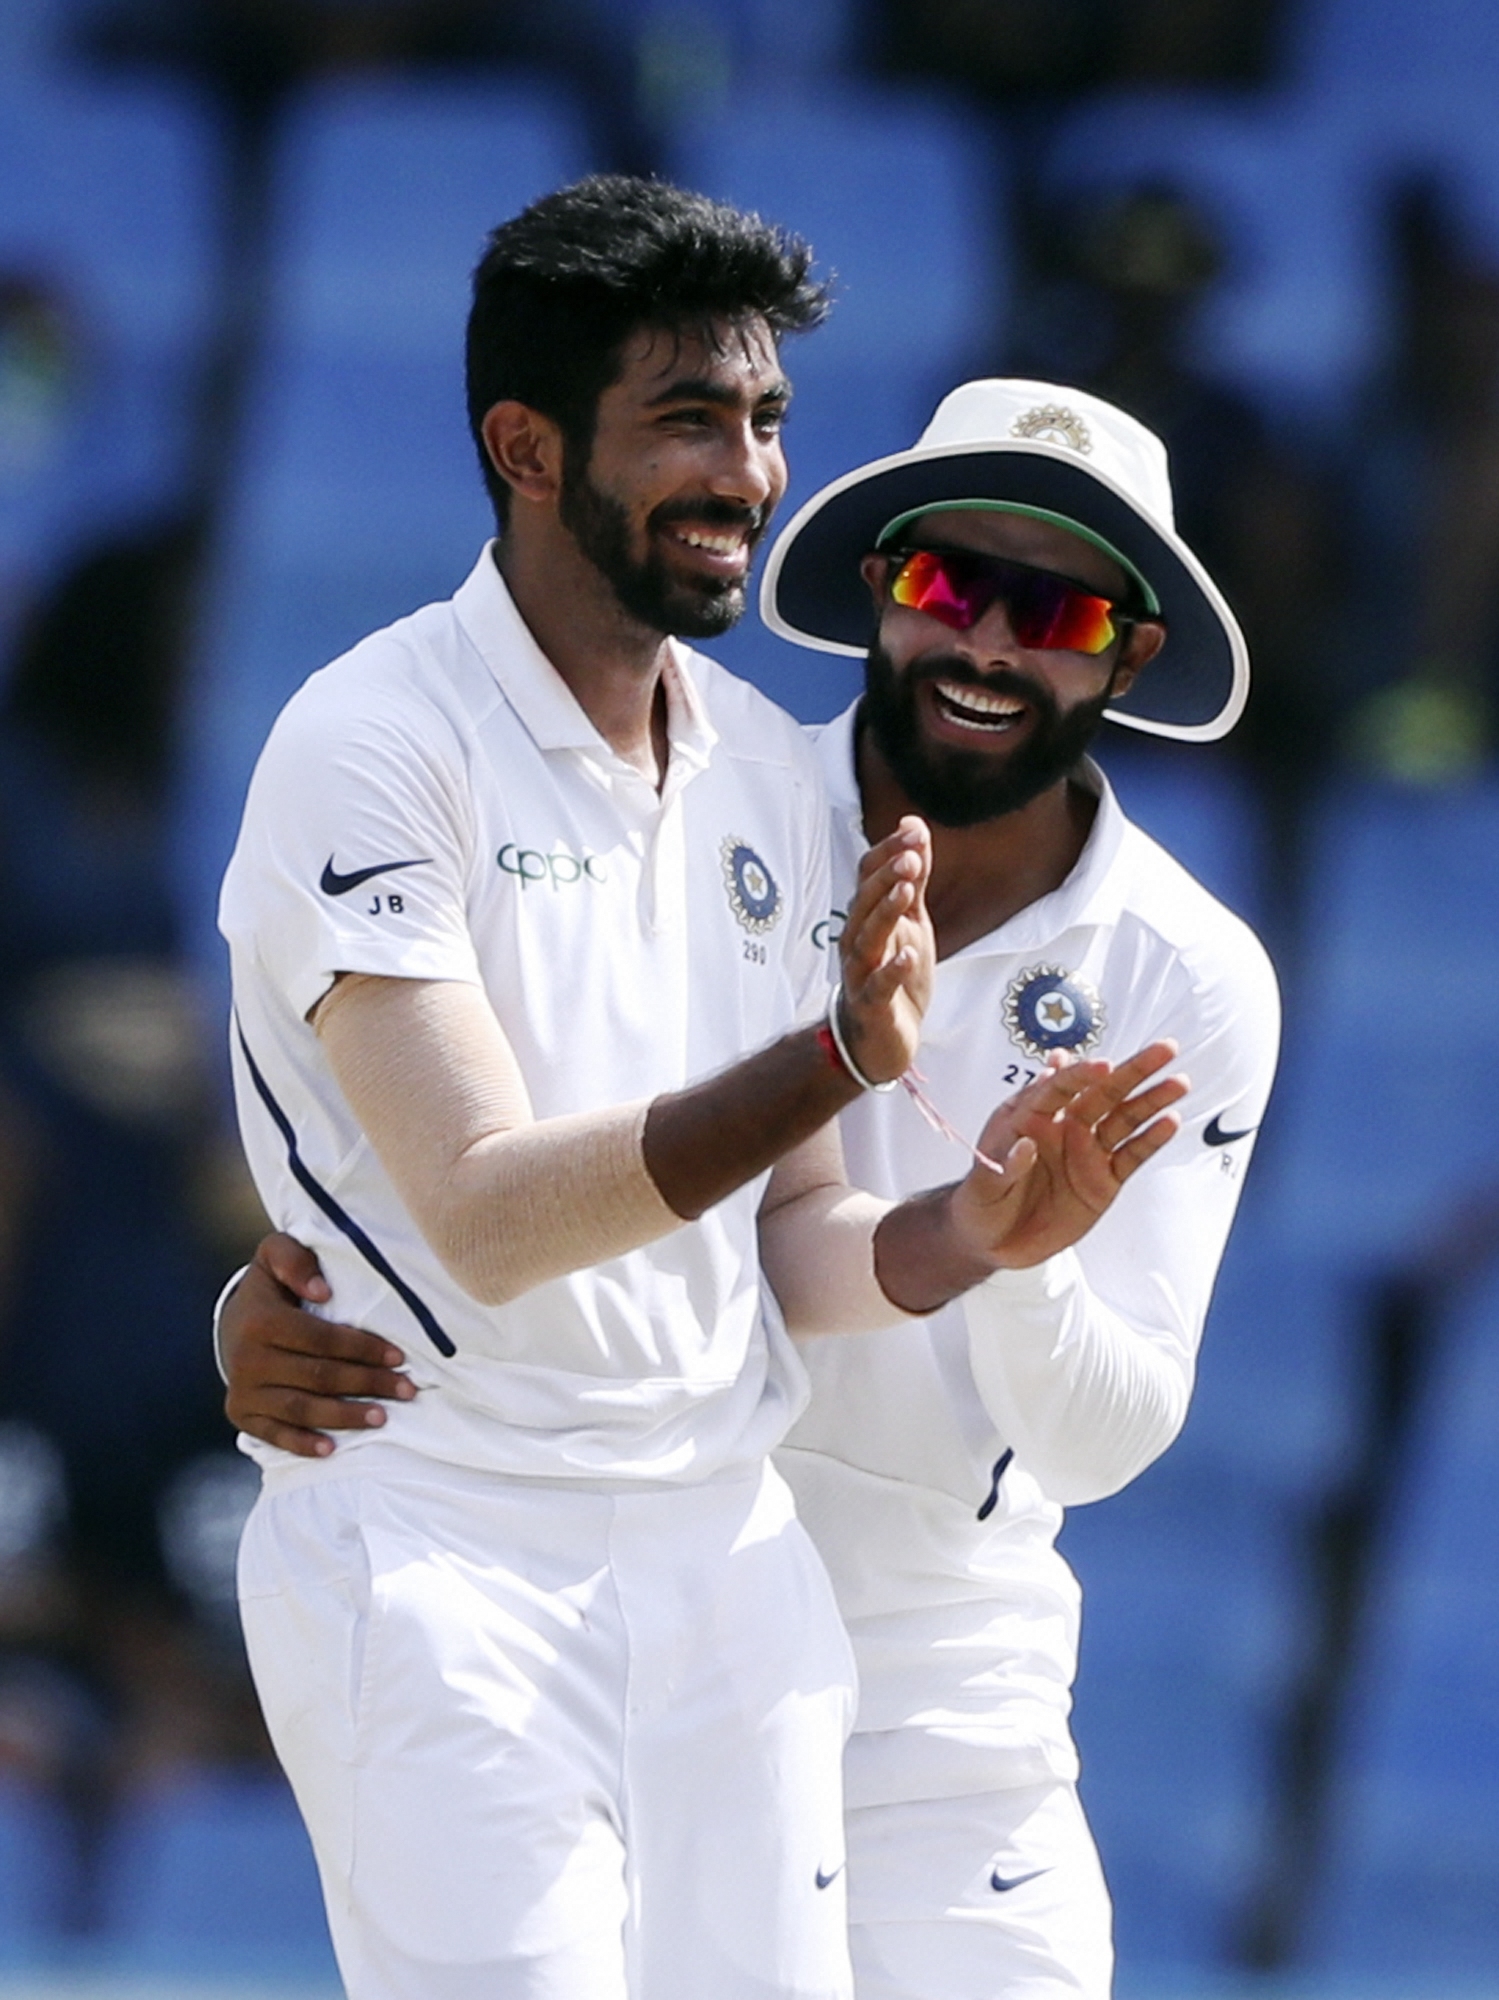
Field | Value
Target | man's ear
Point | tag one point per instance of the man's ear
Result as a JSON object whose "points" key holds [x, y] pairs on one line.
{"points": [[525, 449], [875, 571], [1145, 639]]}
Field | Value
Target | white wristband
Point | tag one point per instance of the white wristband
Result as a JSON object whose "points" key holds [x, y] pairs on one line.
{"points": [[835, 1029]]}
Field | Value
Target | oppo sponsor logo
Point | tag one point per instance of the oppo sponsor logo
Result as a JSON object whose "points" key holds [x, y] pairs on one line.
{"points": [[560, 868]]}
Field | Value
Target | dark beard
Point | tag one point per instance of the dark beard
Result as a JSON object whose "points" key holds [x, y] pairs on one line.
{"points": [[963, 787], [600, 526]]}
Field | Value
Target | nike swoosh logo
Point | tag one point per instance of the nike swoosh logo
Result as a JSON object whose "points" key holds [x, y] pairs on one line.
{"points": [[334, 884], [824, 1881], [1004, 1883], [1216, 1136]]}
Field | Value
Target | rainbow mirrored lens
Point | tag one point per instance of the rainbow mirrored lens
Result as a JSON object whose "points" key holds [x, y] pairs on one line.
{"points": [[1045, 611]]}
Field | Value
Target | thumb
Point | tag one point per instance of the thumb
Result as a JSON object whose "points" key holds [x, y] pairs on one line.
{"points": [[293, 1266]]}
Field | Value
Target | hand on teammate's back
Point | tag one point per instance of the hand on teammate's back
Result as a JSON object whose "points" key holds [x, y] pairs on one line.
{"points": [[293, 1376]]}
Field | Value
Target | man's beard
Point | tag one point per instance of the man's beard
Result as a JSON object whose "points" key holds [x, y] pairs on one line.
{"points": [[702, 609], [961, 787]]}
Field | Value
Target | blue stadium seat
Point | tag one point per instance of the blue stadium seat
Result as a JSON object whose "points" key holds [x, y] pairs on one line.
{"points": [[37, 1864], [213, 1875], [1279, 1401], [1202, 810], [1343, 45], [1196, 1614], [1413, 1854], [1388, 1099], [31, 32], [109, 208], [1378, 132], [783, 41], [357, 496], [1296, 318], [901, 197]]}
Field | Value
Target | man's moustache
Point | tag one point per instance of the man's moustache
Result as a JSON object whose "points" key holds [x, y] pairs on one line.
{"points": [[962, 673], [711, 514]]}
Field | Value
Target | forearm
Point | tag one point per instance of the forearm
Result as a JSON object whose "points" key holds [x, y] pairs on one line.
{"points": [[1087, 1397], [506, 1201], [817, 1244], [702, 1143], [1086, 1363], [922, 1259]]}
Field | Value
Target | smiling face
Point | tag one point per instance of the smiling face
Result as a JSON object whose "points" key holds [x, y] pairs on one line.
{"points": [[685, 470], [972, 724]]}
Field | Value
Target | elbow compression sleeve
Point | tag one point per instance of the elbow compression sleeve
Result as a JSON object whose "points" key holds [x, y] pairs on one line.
{"points": [[506, 1201]]}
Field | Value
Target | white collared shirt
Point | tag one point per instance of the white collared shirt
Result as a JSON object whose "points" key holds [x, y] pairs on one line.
{"points": [[436, 805], [963, 1615]]}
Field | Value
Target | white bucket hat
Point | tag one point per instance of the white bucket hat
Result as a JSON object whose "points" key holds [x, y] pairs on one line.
{"points": [[1035, 448]]}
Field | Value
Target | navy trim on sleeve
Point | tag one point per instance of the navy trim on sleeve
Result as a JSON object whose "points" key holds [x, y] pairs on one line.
{"points": [[1001, 1465], [340, 1217]]}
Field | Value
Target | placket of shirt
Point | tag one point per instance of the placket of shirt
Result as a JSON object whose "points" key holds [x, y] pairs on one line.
{"points": [[660, 825]]}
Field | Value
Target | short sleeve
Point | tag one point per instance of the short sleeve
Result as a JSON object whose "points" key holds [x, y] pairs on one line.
{"points": [[354, 851]]}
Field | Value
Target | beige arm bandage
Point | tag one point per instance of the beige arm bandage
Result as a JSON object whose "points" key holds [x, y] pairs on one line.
{"points": [[505, 1201], [817, 1243]]}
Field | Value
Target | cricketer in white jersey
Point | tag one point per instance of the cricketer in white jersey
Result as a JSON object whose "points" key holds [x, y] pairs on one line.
{"points": [[435, 806], [933, 1462]]}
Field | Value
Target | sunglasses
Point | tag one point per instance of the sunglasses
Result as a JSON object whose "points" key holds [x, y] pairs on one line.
{"points": [[1046, 611]]}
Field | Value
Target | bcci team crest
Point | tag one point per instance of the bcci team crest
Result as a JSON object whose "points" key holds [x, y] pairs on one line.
{"points": [[753, 895], [1054, 423], [1047, 1008]]}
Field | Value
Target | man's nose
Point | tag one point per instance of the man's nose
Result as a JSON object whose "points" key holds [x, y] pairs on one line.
{"points": [[750, 468]]}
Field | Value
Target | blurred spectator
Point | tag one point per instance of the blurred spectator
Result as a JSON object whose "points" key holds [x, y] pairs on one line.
{"points": [[104, 1343], [44, 368], [249, 53], [1009, 51], [115, 1662], [1424, 491], [38, 361], [1121, 280]]}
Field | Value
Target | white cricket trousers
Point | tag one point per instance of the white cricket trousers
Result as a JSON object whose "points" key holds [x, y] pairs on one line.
{"points": [[995, 1896], [554, 1744]]}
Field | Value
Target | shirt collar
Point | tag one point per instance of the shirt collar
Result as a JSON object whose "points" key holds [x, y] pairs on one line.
{"points": [[537, 692], [1091, 892]]}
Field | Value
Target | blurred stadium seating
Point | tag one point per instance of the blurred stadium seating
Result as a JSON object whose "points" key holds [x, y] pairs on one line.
{"points": [[109, 291], [1200, 1613], [1389, 1091], [355, 494], [1297, 318], [351, 494], [213, 1875], [36, 1864], [1408, 1892]]}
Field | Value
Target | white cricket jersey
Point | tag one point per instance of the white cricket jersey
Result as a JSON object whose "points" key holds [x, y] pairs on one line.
{"points": [[934, 1459], [436, 805]]}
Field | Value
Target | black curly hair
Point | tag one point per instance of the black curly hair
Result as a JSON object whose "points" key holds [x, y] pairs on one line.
{"points": [[563, 285]]}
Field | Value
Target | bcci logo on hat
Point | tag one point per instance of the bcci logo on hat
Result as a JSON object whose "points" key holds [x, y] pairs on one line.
{"points": [[753, 895], [1047, 1008], [1054, 423]]}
